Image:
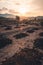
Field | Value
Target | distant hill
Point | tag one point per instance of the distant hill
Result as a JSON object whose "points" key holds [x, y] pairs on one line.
{"points": [[7, 19], [7, 15], [39, 17]]}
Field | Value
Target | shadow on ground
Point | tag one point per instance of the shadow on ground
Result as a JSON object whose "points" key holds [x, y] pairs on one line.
{"points": [[25, 57]]}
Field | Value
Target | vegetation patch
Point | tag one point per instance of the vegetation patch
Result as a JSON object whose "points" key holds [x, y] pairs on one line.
{"points": [[31, 29], [39, 43], [8, 28], [4, 42], [41, 23], [41, 34], [20, 35]]}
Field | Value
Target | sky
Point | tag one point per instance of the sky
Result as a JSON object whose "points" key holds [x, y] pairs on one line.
{"points": [[22, 7]]}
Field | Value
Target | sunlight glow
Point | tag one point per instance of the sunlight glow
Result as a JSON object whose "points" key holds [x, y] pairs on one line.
{"points": [[22, 7], [22, 10]]}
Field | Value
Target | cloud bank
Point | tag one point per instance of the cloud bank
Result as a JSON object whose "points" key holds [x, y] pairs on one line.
{"points": [[35, 7]]}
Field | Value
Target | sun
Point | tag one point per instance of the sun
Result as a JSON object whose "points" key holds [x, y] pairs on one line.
{"points": [[22, 10]]}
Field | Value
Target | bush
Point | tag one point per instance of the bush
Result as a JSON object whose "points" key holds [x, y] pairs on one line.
{"points": [[8, 28], [39, 43], [20, 35], [4, 42], [41, 34], [41, 23]]}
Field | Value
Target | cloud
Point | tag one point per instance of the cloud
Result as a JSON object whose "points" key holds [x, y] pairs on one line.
{"points": [[1, 0], [17, 3], [4, 10], [34, 7], [13, 12], [38, 3]]}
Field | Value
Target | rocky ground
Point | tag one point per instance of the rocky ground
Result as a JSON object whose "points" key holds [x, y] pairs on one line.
{"points": [[23, 45]]}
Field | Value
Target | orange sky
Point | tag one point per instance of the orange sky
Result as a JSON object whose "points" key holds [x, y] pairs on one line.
{"points": [[22, 7]]}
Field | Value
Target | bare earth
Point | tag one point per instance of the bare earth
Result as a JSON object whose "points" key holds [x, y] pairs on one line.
{"points": [[21, 43]]}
